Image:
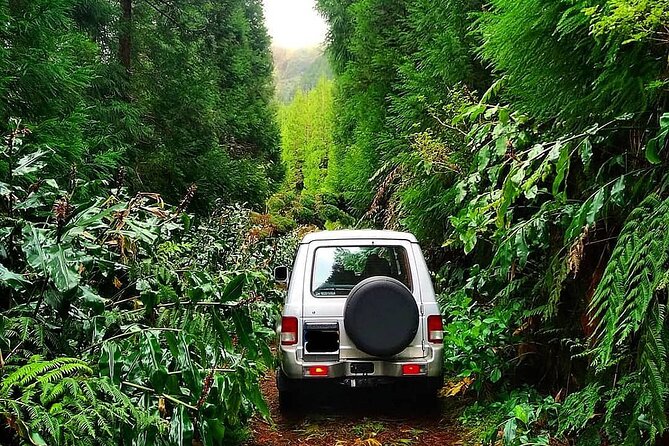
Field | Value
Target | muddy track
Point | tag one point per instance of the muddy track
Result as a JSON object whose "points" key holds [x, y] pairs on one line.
{"points": [[355, 417]]}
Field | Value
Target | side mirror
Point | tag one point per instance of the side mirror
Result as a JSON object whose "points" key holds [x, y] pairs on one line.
{"points": [[281, 274]]}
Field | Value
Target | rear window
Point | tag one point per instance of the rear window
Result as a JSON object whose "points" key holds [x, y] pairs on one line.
{"points": [[338, 269]]}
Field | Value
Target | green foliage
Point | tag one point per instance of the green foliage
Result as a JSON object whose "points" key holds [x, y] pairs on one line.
{"points": [[48, 68], [534, 46], [525, 177], [289, 209], [363, 52], [625, 297], [579, 409], [629, 309], [202, 73], [519, 417], [306, 136], [310, 194], [477, 341], [152, 330], [522, 141], [58, 401], [194, 106], [395, 65], [629, 20]]}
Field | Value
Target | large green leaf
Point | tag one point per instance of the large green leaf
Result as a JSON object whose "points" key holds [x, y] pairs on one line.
{"points": [[656, 144], [595, 207], [561, 171], [521, 413], [510, 428], [232, 396], [93, 215], [37, 439], [141, 231], [652, 151], [244, 329], [213, 432], [221, 332], [585, 152], [173, 344], [33, 247], [62, 269], [110, 361], [92, 300], [30, 163], [181, 428], [255, 396], [11, 279], [233, 290]]}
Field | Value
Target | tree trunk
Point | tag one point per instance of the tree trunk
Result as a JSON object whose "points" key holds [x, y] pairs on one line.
{"points": [[125, 35]]}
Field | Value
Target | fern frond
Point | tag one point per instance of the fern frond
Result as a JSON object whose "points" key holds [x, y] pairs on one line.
{"points": [[578, 409], [635, 271], [629, 310], [44, 371], [60, 400], [71, 369]]}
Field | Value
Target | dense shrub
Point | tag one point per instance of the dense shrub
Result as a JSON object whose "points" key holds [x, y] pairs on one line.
{"points": [[123, 320]]}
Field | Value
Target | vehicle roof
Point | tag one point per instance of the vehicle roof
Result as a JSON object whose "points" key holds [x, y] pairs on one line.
{"points": [[358, 234]]}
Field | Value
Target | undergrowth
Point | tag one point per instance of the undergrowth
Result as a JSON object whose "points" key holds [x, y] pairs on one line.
{"points": [[127, 320]]}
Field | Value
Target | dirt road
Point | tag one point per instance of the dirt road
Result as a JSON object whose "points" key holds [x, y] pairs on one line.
{"points": [[355, 417]]}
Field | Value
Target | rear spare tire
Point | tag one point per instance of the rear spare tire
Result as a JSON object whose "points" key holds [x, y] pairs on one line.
{"points": [[381, 316]]}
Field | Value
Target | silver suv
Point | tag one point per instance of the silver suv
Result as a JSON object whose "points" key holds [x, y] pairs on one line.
{"points": [[360, 310]]}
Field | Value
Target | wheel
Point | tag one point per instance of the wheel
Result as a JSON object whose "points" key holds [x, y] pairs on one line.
{"points": [[287, 401], [288, 392], [428, 393]]}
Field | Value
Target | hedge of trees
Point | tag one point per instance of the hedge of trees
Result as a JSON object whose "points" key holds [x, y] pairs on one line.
{"points": [[525, 142], [174, 91]]}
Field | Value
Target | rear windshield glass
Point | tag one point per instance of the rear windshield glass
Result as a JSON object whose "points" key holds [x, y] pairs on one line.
{"points": [[338, 269]]}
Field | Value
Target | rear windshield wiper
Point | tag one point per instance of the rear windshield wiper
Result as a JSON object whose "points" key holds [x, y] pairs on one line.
{"points": [[323, 289]]}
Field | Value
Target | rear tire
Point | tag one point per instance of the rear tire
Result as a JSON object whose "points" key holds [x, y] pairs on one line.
{"points": [[287, 401], [429, 393], [288, 392]]}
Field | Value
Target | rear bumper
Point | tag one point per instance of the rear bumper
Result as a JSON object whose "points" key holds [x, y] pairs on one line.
{"points": [[294, 368]]}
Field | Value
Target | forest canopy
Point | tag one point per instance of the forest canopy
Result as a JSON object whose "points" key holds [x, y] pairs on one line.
{"points": [[174, 92]]}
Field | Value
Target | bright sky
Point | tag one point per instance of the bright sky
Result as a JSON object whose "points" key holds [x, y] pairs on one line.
{"points": [[294, 23]]}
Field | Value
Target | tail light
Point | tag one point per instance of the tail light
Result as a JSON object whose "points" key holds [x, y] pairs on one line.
{"points": [[435, 329], [288, 330], [317, 370], [413, 369]]}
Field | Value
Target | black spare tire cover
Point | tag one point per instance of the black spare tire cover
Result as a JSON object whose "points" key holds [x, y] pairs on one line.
{"points": [[381, 316]]}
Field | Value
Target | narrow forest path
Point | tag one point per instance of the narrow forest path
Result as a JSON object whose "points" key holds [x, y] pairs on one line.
{"points": [[355, 417]]}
